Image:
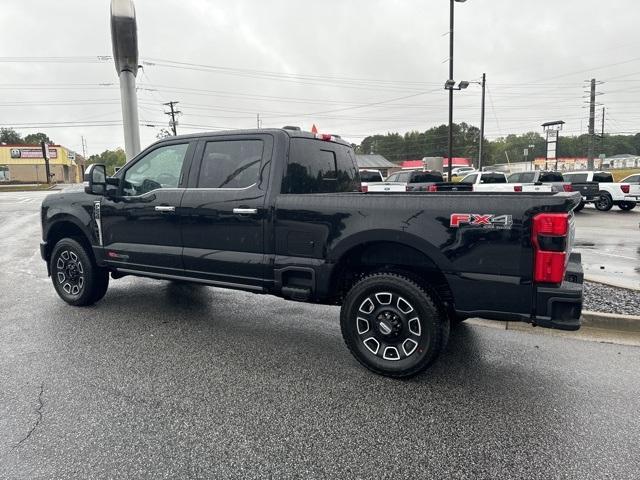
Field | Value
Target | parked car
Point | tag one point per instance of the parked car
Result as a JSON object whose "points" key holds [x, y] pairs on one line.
{"points": [[558, 184], [497, 182], [623, 195], [462, 171], [632, 179], [276, 211], [416, 180], [590, 191]]}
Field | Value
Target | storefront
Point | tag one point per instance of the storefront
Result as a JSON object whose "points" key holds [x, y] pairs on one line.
{"points": [[25, 164]]}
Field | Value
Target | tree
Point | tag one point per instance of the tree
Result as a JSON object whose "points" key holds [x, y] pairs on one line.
{"points": [[110, 158], [10, 136], [36, 138], [163, 133]]}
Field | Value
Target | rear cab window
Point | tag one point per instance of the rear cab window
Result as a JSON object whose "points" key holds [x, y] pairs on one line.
{"points": [[575, 177], [551, 177], [317, 166], [426, 177], [493, 178], [370, 176]]}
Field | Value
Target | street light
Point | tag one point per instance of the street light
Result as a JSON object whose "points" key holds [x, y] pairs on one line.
{"points": [[451, 80]]}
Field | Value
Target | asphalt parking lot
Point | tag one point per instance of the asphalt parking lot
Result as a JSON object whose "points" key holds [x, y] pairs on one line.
{"points": [[161, 380], [610, 245]]}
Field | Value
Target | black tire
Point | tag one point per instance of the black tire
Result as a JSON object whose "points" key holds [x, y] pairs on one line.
{"points": [[604, 202], [75, 276], [626, 206], [579, 207], [397, 339]]}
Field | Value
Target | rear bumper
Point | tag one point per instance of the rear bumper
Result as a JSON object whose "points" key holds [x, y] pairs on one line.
{"points": [[632, 198], [561, 307]]}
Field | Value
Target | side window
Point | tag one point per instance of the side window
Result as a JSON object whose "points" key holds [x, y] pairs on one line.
{"points": [[392, 178], [231, 164], [470, 178], [319, 167], [514, 178], [633, 179], [529, 177], [160, 168], [603, 177]]}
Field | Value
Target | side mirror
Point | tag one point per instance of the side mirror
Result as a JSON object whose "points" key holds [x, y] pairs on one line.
{"points": [[95, 179]]}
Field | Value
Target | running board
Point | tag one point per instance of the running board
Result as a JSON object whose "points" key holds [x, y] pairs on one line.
{"points": [[296, 293]]}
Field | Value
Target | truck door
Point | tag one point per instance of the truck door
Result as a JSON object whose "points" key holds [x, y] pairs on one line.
{"points": [[223, 210], [140, 225]]}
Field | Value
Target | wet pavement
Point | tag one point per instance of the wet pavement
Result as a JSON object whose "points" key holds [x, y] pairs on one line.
{"points": [[610, 245], [161, 380]]}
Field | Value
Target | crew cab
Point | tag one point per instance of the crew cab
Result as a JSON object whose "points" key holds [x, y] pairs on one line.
{"points": [[275, 211], [497, 182], [416, 180], [590, 191], [610, 193], [555, 179]]}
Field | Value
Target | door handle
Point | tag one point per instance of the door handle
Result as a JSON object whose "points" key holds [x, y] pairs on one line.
{"points": [[165, 208], [245, 211]]}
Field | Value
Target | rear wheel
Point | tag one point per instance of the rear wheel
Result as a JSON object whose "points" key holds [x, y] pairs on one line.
{"points": [[626, 206], [579, 207], [392, 325], [604, 202], [75, 276]]}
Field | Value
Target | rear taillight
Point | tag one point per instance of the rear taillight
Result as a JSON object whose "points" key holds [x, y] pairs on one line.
{"points": [[549, 238], [433, 188], [364, 188], [624, 188], [517, 188], [567, 187]]}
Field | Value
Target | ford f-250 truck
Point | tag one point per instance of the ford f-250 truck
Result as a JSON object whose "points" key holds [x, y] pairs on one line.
{"points": [[278, 212]]}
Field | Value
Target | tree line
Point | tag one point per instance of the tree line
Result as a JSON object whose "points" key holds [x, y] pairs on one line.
{"points": [[511, 148], [11, 137]]}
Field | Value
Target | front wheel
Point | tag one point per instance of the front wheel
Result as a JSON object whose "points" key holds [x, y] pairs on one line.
{"points": [[76, 278], [626, 206], [604, 203], [392, 325]]}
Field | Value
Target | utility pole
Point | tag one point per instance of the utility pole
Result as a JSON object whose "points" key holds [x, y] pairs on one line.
{"points": [[450, 136], [84, 146], [258, 120], [602, 134], [481, 149], [592, 121], [172, 114]]}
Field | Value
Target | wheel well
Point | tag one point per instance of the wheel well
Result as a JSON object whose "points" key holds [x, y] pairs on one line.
{"points": [[65, 229], [389, 257]]}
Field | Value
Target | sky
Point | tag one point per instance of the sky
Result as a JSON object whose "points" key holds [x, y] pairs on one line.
{"points": [[353, 68]]}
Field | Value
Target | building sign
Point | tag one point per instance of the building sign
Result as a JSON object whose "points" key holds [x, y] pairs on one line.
{"points": [[32, 153]]}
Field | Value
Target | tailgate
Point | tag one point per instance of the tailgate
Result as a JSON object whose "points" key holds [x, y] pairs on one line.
{"points": [[587, 189]]}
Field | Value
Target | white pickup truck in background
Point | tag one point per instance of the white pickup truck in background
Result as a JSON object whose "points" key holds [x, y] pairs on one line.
{"points": [[497, 182], [621, 194]]}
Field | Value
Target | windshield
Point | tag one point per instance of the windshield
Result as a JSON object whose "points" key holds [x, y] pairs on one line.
{"points": [[603, 177], [493, 178], [426, 177]]}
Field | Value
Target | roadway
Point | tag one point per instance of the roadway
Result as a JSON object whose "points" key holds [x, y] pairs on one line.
{"points": [[167, 381]]}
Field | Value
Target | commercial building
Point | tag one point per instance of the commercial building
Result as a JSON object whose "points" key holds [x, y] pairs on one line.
{"points": [[375, 162], [25, 164]]}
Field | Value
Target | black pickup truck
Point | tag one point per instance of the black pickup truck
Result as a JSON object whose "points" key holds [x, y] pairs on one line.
{"points": [[278, 212]]}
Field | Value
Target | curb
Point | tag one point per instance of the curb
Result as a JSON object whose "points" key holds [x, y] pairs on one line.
{"points": [[611, 321], [589, 278]]}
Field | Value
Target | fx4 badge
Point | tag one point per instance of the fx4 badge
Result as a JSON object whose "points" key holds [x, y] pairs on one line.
{"points": [[488, 221]]}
